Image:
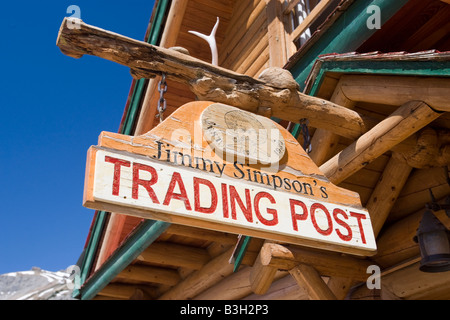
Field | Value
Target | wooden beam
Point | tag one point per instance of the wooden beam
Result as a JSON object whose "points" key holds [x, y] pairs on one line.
{"points": [[261, 276], [123, 291], [397, 90], [169, 38], [396, 243], [202, 279], [430, 148], [308, 278], [385, 194], [412, 284], [324, 142], [175, 255], [285, 288], [149, 275], [276, 33], [329, 264], [406, 120], [416, 192], [289, 6], [210, 82], [173, 23], [234, 287], [312, 16]]}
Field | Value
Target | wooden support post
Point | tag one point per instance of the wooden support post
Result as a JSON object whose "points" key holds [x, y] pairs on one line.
{"points": [[169, 38], [312, 16], [329, 264], [385, 194], [175, 255], [406, 120], [263, 274], [210, 82], [261, 277], [324, 141], [276, 33], [308, 278]]}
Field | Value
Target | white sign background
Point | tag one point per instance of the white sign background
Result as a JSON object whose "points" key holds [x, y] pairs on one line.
{"points": [[103, 191]]}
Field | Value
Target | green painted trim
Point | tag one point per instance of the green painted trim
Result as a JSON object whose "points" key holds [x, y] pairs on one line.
{"points": [[347, 33], [91, 248], [241, 253], [394, 68], [128, 127], [144, 235]]}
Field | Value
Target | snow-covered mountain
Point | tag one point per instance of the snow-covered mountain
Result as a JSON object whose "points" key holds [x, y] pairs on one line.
{"points": [[36, 284]]}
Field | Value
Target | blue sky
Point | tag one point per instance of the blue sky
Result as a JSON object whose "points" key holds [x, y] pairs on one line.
{"points": [[53, 109]]}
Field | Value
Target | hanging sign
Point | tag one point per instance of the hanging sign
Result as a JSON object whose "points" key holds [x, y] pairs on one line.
{"points": [[217, 167]]}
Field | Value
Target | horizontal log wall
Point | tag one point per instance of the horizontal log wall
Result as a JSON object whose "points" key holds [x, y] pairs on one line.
{"points": [[245, 47]]}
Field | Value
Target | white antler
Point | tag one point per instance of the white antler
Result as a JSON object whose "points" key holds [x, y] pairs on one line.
{"points": [[211, 39]]}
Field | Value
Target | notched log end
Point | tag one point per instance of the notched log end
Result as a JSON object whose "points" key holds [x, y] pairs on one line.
{"points": [[66, 28]]}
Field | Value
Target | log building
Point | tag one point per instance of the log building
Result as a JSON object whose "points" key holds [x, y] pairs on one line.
{"points": [[386, 63]]}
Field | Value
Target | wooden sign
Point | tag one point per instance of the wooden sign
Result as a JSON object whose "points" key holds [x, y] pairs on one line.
{"points": [[205, 166]]}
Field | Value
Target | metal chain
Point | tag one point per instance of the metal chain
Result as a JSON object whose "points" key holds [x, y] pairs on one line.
{"points": [[162, 103], [306, 137]]}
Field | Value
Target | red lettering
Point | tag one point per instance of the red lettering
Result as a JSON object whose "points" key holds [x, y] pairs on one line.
{"points": [[295, 216], [176, 179], [147, 184], [246, 210], [360, 217], [225, 201], [349, 234], [273, 212], [117, 165], [314, 207], [198, 208]]}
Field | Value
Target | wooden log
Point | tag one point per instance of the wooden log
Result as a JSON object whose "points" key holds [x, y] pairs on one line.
{"points": [[329, 264], [396, 244], [386, 192], [233, 287], [412, 284], [429, 148], [124, 291], [276, 33], [341, 286], [210, 82], [202, 279], [149, 275], [324, 142], [285, 288], [170, 254], [261, 276], [203, 234], [312, 16], [307, 277], [416, 192], [169, 38], [393, 90], [406, 120]]}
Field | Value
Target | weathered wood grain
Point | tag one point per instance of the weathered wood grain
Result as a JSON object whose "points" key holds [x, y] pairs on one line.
{"points": [[210, 82]]}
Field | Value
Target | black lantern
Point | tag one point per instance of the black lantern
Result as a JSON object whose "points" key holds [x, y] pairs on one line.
{"points": [[434, 242]]}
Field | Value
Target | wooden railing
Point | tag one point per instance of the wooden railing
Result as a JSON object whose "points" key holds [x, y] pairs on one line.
{"points": [[310, 19]]}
